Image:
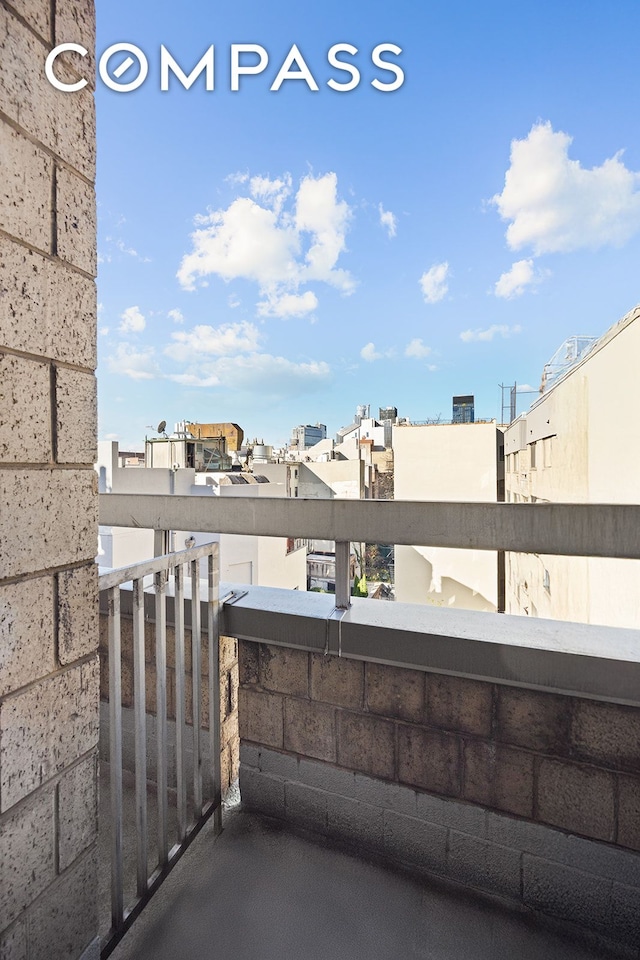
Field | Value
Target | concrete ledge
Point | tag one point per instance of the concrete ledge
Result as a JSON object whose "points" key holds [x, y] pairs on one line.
{"points": [[583, 882]]}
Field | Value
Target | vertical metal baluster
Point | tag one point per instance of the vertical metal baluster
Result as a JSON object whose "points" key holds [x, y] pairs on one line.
{"points": [[140, 734], [214, 685], [343, 574], [161, 715], [196, 683], [181, 773], [115, 758]]}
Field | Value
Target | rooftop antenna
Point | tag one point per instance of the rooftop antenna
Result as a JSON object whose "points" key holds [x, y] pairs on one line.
{"points": [[162, 426]]}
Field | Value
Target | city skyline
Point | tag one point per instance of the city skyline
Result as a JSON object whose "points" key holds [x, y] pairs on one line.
{"points": [[276, 258]]}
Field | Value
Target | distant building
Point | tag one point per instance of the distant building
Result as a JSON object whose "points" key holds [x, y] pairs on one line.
{"points": [[305, 436], [463, 409], [388, 413], [198, 446], [448, 462], [577, 444]]}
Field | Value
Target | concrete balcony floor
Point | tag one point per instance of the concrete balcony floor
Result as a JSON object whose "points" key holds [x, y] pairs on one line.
{"points": [[263, 891]]}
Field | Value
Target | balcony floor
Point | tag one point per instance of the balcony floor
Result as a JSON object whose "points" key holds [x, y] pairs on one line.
{"points": [[263, 891]]}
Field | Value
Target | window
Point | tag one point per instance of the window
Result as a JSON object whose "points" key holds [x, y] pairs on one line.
{"points": [[547, 447], [532, 448]]}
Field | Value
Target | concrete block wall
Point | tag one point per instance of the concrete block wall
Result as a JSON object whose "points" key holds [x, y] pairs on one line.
{"points": [[527, 795], [49, 671], [229, 735]]}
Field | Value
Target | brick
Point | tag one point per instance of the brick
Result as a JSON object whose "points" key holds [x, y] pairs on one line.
{"points": [[25, 428], [228, 653], [77, 811], [326, 777], [395, 692], [608, 734], [629, 812], [35, 537], [539, 721], [46, 308], [77, 416], [75, 23], [62, 122], [46, 728], [366, 744], [355, 822], [306, 806], [454, 703], [37, 14], [13, 942], [27, 862], [477, 863], [381, 793], [26, 633], [65, 919], [337, 680], [576, 798], [76, 221], [250, 755], [285, 671], [499, 777], [414, 841], [309, 729], [77, 613], [464, 817], [261, 792], [260, 717], [429, 759], [278, 764], [565, 893], [248, 662], [25, 189], [229, 730]]}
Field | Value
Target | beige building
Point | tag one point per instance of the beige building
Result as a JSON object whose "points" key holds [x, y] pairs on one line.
{"points": [[447, 462], [577, 444]]}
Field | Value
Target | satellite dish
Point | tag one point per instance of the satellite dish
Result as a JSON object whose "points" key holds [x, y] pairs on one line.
{"points": [[162, 426]]}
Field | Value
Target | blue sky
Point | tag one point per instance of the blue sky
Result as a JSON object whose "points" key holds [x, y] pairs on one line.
{"points": [[275, 258]]}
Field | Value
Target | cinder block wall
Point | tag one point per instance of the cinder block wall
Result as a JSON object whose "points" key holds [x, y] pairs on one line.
{"points": [[531, 796], [229, 736], [48, 504]]}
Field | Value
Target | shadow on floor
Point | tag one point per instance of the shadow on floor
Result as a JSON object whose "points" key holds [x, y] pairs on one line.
{"points": [[264, 892]]}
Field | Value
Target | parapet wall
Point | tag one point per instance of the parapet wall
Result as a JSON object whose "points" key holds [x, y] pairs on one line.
{"points": [[529, 795]]}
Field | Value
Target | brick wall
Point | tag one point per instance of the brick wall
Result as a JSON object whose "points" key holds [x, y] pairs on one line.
{"points": [[48, 504], [490, 785], [229, 737]]}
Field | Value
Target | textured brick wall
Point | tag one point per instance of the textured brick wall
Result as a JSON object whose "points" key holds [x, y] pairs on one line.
{"points": [[563, 761], [229, 736], [48, 506], [529, 796]]}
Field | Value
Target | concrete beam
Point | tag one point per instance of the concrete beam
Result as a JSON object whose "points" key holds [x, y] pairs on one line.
{"points": [[587, 530]]}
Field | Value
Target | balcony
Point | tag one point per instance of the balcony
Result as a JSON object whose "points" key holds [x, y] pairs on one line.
{"points": [[414, 780]]}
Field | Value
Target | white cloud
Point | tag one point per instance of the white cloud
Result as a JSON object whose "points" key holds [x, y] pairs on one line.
{"points": [[388, 220], [280, 250], [103, 331], [261, 373], [526, 388], [176, 316], [204, 341], [417, 349], [369, 353], [233, 301], [502, 330], [434, 282], [139, 364], [288, 305], [132, 321], [514, 282], [112, 436], [555, 205]]}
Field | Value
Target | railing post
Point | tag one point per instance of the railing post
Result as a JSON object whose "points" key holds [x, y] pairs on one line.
{"points": [[115, 758], [181, 771], [160, 581], [140, 734], [343, 574], [196, 686], [214, 685]]}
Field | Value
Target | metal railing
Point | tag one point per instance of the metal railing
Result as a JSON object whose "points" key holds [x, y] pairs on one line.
{"points": [[206, 785]]}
